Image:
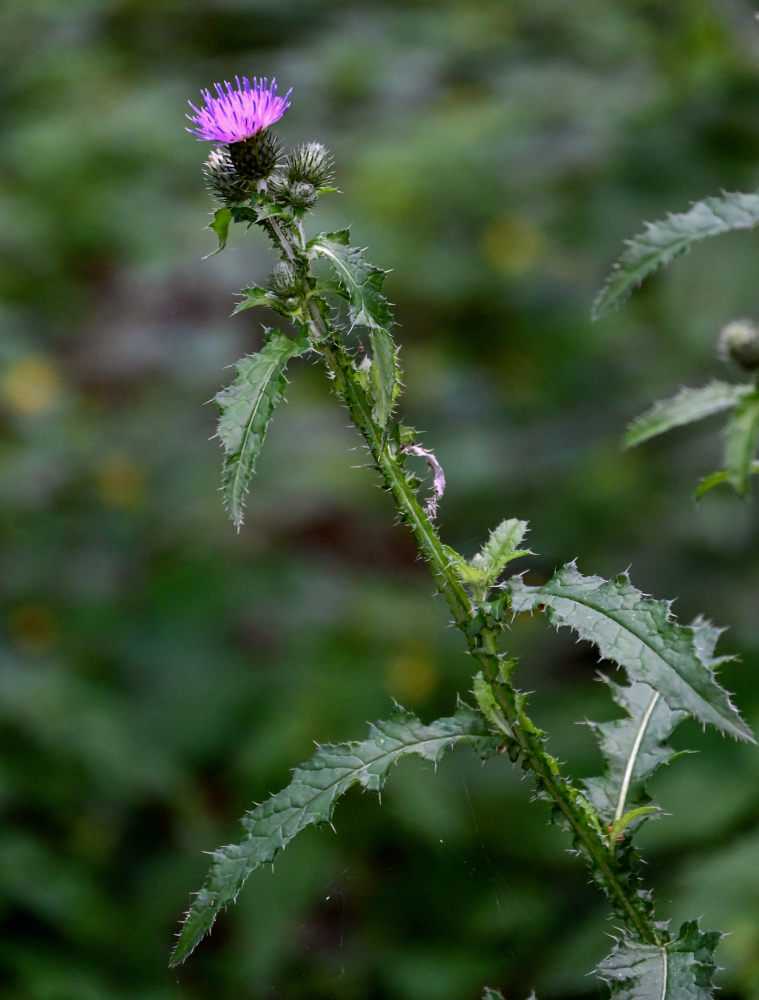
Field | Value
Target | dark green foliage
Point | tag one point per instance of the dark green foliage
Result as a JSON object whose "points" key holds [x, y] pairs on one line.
{"points": [[311, 796], [681, 970], [640, 635]]}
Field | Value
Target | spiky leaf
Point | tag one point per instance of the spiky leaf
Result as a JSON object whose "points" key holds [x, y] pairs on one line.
{"points": [[682, 969], [639, 634], [357, 280], [686, 407], [740, 443], [310, 798], [633, 748], [246, 407], [666, 239], [383, 374], [253, 296], [502, 546]]}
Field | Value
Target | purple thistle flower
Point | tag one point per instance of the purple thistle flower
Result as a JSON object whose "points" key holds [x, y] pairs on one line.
{"points": [[240, 113]]}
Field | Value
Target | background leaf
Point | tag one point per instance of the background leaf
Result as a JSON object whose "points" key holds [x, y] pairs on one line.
{"points": [[311, 796], [670, 237], [639, 634], [740, 443], [686, 407], [247, 406]]}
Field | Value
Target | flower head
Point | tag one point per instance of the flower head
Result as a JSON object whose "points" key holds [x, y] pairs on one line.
{"points": [[239, 113]]}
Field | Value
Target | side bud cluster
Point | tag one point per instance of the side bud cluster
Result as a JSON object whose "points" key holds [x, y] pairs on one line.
{"points": [[221, 178], [739, 340], [305, 170]]}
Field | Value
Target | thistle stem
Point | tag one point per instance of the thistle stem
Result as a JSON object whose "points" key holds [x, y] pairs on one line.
{"points": [[481, 639]]}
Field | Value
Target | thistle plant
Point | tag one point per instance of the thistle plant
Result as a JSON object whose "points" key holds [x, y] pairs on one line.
{"points": [[738, 341], [661, 672]]}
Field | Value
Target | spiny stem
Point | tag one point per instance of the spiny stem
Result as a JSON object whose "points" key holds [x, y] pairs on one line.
{"points": [[481, 640]]}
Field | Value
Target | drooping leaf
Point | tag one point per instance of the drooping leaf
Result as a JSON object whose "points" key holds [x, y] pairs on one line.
{"points": [[246, 407], [357, 280], [682, 969], [383, 374], [740, 442], [717, 479], [222, 219], [686, 407], [639, 634], [666, 239], [633, 748], [310, 798]]}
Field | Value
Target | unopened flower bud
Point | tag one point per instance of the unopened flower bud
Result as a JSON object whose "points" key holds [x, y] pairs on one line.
{"points": [[739, 340], [256, 157], [221, 178], [302, 194], [312, 163], [285, 279]]}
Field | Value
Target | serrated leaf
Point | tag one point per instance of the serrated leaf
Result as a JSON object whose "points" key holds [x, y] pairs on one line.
{"points": [[639, 634], [686, 407], [246, 408], [666, 239], [503, 544], [383, 374], [310, 799], [633, 748], [358, 280], [682, 969], [740, 443]]}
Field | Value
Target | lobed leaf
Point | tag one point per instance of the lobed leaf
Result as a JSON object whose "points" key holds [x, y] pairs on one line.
{"points": [[686, 407], [670, 237], [222, 219], [740, 443], [246, 407], [633, 748], [310, 799], [682, 969], [639, 634], [503, 545], [359, 281], [717, 479]]}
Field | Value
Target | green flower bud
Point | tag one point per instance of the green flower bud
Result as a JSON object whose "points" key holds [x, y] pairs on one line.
{"points": [[312, 163], [221, 178], [255, 158], [302, 194], [739, 340], [285, 279]]}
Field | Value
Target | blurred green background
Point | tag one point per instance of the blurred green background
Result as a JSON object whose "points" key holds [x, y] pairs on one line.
{"points": [[160, 673]]}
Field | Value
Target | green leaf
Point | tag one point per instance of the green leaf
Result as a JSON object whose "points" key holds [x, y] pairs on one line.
{"points": [[740, 443], [254, 295], [502, 546], [359, 281], [717, 479], [383, 374], [310, 799], [682, 969], [686, 407], [639, 634], [666, 239], [246, 408], [222, 219], [633, 748]]}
